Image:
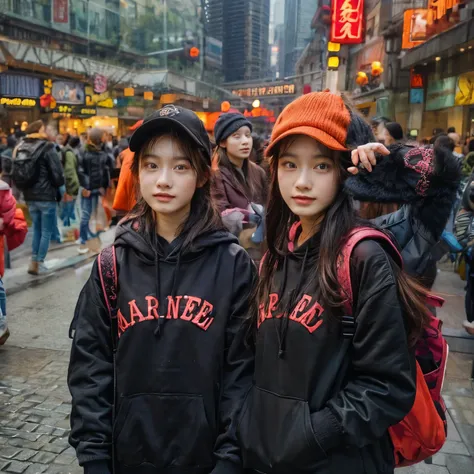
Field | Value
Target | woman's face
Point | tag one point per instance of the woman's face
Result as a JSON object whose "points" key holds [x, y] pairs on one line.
{"points": [[167, 179], [308, 177], [239, 144]]}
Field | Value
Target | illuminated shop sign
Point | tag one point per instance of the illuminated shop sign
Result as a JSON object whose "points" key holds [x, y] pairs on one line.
{"points": [[263, 91], [347, 21], [17, 102]]}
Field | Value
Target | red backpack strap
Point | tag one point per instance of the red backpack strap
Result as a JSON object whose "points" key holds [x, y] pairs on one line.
{"points": [[344, 268], [108, 279]]}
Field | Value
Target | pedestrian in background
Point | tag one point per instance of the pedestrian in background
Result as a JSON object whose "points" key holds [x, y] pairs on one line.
{"points": [[240, 186], [70, 167], [392, 133], [94, 177], [13, 230], [172, 392], [37, 172]]}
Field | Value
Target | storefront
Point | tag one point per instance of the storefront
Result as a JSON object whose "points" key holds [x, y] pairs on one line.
{"points": [[19, 101]]}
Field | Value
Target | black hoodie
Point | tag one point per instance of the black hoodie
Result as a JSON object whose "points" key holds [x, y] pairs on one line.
{"points": [[181, 363], [322, 403]]}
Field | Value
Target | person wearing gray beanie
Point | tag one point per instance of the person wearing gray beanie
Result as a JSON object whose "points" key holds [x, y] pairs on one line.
{"points": [[227, 124]]}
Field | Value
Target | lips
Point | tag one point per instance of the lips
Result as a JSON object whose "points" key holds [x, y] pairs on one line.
{"points": [[163, 197], [303, 200]]}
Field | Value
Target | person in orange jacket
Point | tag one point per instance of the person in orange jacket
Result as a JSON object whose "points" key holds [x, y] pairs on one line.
{"points": [[125, 194], [13, 229]]}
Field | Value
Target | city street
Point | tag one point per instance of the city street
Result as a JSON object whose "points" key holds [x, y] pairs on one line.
{"points": [[35, 402]]}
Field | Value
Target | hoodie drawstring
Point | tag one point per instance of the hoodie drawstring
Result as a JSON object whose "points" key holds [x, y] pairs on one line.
{"points": [[161, 320], [289, 306]]}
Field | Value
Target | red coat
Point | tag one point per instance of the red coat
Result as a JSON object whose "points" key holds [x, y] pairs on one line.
{"points": [[14, 226]]}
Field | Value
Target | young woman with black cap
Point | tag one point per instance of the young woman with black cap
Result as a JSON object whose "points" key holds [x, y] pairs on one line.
{"points": [[166, 400]]}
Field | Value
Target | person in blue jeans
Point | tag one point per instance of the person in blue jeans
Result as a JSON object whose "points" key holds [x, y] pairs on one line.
{"points": [[41, 197], [95, 165]]}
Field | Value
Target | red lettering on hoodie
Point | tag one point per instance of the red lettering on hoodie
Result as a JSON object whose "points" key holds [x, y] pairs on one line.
{"points": [[123, 325], [197, 310], [190, 307], [173, 306], [152, 307], [310, 319], [203, 312], [135, 313]]}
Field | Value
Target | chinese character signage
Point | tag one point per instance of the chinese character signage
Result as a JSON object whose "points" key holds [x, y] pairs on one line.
{"points": [[347, 21], [437, 9], [17, 102], [61, 11], [262, 91]]}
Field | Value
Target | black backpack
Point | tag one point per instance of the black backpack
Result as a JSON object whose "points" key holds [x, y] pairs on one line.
{"points": [[25, 172]]}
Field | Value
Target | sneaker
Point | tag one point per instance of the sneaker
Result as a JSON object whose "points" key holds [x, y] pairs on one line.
{"points": [[33, 269], [83, 249], [78, 242], [4, 335], [469, 327]]}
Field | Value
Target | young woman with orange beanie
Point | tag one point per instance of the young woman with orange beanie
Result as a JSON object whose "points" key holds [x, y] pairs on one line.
{"points": [[323, 402]]}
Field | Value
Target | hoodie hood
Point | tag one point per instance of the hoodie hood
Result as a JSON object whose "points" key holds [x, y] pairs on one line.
{"points": [[149, 246]]}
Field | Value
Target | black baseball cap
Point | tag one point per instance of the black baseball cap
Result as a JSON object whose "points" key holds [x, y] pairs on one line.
{"points": [[182, 119]]}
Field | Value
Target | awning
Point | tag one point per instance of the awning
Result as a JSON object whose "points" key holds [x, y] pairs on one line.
{"points": [[439, 44]]}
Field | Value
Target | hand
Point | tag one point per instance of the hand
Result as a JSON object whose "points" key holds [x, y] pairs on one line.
{"points": [[1, 223], [364, 156], [86, 193]]}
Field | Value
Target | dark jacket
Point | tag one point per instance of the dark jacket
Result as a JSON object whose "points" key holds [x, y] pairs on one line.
{"points": [[50, 176], [95, 165], [322, 403], [231, 191], [417, 226], [182, 366]]}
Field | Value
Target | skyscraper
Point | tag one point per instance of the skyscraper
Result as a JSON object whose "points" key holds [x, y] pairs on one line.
{"points": [[245, 26], [298, 17]]}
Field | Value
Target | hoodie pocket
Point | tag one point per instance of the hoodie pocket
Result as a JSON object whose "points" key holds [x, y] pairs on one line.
{"points": [[163, 430], [276, 435]]}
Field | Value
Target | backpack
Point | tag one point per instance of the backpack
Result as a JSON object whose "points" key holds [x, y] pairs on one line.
{"points": [[423, 431], [25, 172]]}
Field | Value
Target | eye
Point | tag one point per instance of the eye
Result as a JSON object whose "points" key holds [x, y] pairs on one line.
{"points": [[150, 165], [288, 165], [323, 167], [181, 167]]}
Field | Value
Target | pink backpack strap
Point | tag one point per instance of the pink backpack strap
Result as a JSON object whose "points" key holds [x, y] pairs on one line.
{"points": [[108, 279], [344, 262]]}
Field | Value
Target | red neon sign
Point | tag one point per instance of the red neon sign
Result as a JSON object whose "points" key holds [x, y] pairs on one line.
{"points": [[347, 21]]}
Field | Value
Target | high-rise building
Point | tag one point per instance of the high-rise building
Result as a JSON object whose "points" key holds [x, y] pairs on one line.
{"points": [[245, 39], [298, 16], [213, 13]]}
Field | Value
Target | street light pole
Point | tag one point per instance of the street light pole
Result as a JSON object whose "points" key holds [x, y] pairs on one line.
{"points": [[165, 34]]}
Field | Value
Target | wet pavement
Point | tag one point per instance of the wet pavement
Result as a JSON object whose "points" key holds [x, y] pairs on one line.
{"points": [[35, 402]]}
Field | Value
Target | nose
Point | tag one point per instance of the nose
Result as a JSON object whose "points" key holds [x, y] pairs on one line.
{"points": [[164, 178], [304, 181]]}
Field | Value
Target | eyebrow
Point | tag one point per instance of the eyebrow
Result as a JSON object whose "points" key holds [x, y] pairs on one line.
{"points": [[293, 155], [175, 158]]}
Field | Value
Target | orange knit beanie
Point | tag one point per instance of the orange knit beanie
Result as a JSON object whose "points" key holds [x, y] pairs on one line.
{"points": [[319, 115]]}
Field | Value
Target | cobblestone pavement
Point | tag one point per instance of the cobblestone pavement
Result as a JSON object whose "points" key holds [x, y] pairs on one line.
{"points": [[35, 401]]}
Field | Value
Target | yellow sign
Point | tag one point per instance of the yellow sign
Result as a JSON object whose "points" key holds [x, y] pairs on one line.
{"points": [[465, 89], [99, 100], [17, 102], [64, 109], [285, 89], [88, 112]]}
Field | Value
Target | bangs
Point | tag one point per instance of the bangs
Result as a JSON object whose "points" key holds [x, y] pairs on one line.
{"points": [[184, 143]]}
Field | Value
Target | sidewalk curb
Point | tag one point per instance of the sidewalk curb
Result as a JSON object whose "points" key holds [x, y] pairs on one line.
{"points": [[35, 281]]}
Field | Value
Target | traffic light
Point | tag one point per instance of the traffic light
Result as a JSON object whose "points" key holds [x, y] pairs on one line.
{"points": [[333, 56], [191, 52]]}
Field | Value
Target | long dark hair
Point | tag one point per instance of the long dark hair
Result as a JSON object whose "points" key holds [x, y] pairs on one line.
{"points": [[204, 216], [251, 185], [338, 221]]}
